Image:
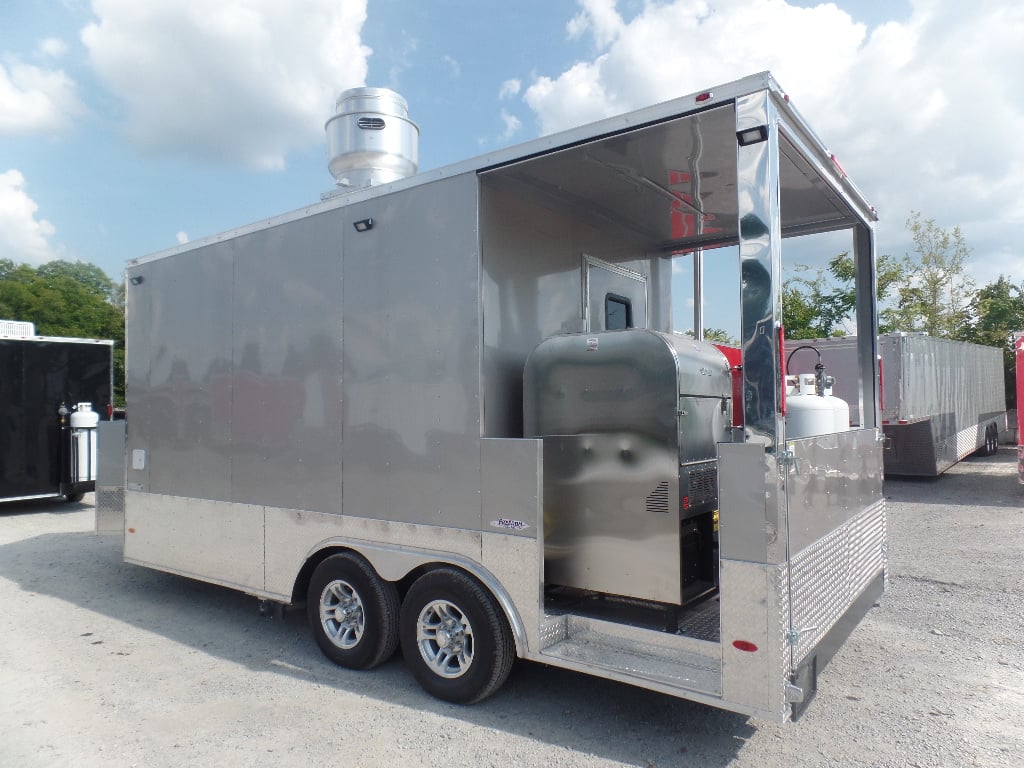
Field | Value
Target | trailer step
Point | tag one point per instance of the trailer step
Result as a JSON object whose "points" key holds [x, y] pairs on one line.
{"points": [[636, 653]]}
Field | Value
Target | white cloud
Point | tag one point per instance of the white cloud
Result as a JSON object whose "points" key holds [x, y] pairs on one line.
{"points": [[919, 125], [598, 17], [512, 124], [510, 88], [239, 81], [23, 237], [453, 65], [52, 48], [35, 100], [181, 237]]}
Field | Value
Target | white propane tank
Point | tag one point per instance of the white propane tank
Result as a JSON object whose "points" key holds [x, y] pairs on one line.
{"points": [[840, 410], [808, 413], [84, 421]]}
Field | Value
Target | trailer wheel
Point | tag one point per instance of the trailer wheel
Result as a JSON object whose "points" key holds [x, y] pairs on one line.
{"points": [[353, 612], [73, 498], [455, 639], [992, 443]]}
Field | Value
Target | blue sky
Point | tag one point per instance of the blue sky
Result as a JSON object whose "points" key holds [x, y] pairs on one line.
{"points": [[127, 126]]}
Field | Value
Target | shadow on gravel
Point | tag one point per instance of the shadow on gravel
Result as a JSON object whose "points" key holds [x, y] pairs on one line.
{"points": [[987, 481], [590, 716], [48, 506]]}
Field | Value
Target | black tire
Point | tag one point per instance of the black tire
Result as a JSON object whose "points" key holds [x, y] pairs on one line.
{"points": [[353, 612], [455, 638], [73, 498], [991, 445]]}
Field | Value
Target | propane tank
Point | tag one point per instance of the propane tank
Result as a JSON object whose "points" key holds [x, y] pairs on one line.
{"points": [[840, 408], [807, 412], [84, 421]]}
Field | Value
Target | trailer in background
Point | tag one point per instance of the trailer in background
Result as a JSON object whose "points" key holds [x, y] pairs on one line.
{"points": [[1018, 346], [942, 400], [53, 393]]}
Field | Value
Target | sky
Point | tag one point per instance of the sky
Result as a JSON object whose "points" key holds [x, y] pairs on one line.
{"points": [[129, 126]]}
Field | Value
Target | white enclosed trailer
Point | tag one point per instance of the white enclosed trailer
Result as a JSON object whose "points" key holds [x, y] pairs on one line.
{"points": [[448, 412], [941, 400]]}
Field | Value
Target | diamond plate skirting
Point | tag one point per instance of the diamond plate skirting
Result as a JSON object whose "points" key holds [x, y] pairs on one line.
{"points": [[109, 510], [826, 577]]}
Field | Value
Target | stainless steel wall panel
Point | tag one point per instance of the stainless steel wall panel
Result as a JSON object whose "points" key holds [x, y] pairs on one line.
{"points": [[747, 525], [755, 610], [411, 366], [214, 541], [392, 548], [831, 479], [179, 347], [511, 495], [285, 380]]}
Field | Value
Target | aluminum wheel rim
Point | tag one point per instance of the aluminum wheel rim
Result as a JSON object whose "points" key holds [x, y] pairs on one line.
{"points": [[341, 614], [445, 639]]}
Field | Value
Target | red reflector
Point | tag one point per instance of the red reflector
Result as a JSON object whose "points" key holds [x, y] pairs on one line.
{"points": [[885, 421], [686, 502], [702, 97], [744, 645], [835, 161], [902, 421]]}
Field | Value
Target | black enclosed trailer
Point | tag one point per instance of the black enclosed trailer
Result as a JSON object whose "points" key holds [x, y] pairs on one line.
{"points": [[53, 391]]}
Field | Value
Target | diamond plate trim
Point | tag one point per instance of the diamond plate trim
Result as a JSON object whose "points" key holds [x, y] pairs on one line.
{"points": [[826, 577], [109, 509]]}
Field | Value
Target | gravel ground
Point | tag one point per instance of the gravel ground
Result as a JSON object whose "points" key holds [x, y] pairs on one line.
{"points": [[106, 664]]}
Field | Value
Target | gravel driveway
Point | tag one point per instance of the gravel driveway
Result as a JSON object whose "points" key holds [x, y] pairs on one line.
{"points": [[107, 664]]}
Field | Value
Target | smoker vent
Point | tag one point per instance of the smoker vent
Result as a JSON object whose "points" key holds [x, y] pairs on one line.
{"points": [[703, 484], [657, 500], [370, 139]]}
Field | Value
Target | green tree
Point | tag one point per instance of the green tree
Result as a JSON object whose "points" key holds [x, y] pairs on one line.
{"points": [[64, 298], [937, 294], [818, 305], [997, 311]]}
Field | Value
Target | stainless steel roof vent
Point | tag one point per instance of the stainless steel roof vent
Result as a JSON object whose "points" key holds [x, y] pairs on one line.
{"points": [[370, 139]]}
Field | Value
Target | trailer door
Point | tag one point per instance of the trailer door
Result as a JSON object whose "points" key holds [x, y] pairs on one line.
{"points": [[614, 297]]}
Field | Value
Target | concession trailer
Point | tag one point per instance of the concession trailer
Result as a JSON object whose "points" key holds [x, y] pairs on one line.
{"points": [[53, 393], [446, 411], [941, 400]]}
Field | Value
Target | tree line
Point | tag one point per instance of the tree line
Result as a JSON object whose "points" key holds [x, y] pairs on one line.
{"points": [[927, 290], [70, 299]]}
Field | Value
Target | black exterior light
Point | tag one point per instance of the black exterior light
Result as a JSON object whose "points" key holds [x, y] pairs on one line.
{"points": [[363, 225], [754, 135]]}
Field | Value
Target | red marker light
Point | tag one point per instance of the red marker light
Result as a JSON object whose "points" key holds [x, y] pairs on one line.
{"points": [[702, 97], [744, 645]]}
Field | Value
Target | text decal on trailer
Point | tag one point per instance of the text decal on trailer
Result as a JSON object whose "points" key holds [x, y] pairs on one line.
{"points": [[512, 525]]}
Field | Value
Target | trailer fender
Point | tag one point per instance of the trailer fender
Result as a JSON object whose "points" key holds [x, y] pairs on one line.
{"points": [[394, 564]]}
